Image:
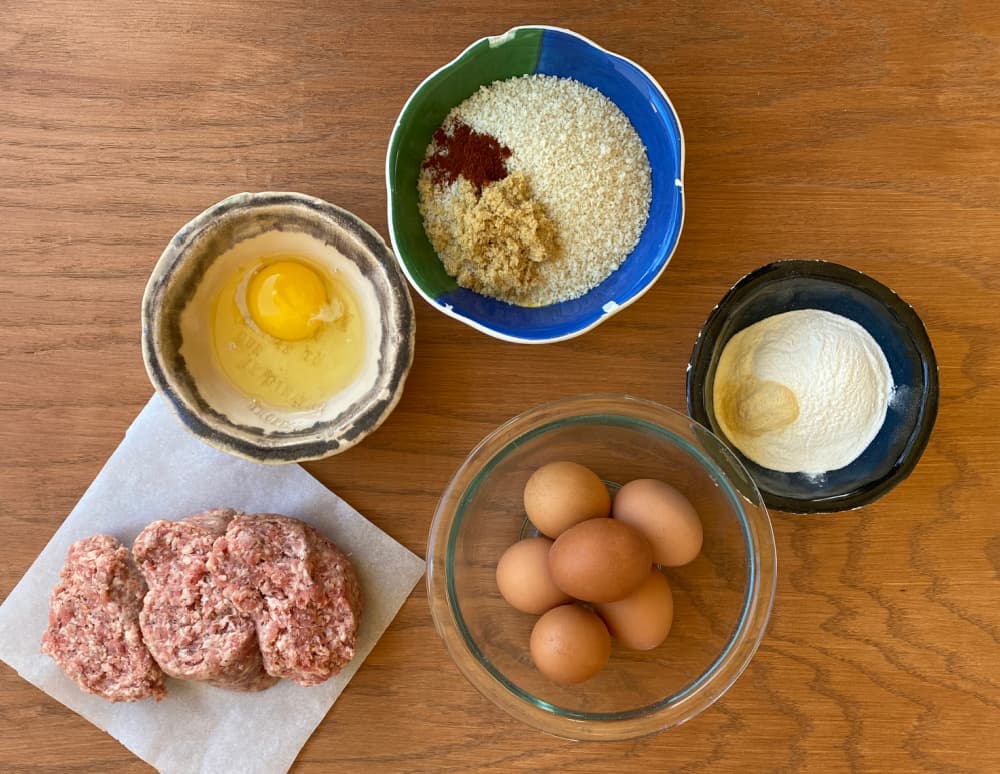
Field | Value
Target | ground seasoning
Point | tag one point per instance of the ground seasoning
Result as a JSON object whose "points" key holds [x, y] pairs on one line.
{"points": [[459, 150], [492, 243]]}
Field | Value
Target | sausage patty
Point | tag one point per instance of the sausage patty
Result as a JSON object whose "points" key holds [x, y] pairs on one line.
{"points": [[189, 626], [300, 590], [93, 633]]}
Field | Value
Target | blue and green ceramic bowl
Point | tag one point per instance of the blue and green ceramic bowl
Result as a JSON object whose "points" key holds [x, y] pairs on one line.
{"points": [[547, 51]]}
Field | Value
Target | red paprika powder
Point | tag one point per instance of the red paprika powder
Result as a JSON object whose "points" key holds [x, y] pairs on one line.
{"points": [[460, 150]]}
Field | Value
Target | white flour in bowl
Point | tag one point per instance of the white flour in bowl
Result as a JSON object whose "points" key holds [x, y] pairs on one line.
{"points": [[803, 391]]}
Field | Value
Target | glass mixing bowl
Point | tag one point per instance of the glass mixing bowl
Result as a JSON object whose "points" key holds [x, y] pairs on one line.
{"points": [[722, 600]]}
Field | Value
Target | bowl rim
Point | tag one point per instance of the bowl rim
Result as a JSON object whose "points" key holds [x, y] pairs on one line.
{"points": [[609, 310], [293, 449], [838, 273], [705, 689]]}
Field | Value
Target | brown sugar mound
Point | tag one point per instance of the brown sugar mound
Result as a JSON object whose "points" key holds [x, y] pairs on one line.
{"points": [[492, 243]]}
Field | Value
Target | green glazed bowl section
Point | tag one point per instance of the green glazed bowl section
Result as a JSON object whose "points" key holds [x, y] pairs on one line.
{"points": [[482, 64]]}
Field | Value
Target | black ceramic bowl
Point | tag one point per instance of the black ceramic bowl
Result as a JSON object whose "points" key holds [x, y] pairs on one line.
{"points": [[785, 286]]}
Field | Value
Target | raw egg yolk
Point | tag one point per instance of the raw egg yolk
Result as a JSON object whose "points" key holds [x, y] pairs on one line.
{"points": [[286, 300]]}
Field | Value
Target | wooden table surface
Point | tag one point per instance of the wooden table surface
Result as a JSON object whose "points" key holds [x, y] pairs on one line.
{"points": [[839, 131]]}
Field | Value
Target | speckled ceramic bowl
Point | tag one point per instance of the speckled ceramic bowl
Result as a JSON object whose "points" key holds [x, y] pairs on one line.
{"points": [[785, 286], [178, 352], [546, 51]]}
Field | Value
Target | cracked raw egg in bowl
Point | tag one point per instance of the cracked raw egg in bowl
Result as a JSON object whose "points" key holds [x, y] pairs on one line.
{"points": [[288, 332], [278, 327]]}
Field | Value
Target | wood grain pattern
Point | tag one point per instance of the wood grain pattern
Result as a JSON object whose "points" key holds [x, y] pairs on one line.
{"points": [[845, 131]]}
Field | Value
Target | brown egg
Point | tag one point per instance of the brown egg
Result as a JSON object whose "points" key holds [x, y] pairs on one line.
{"points": [[665, 516], [600, 560], [570, 644], [641, 620], [561, 494], [523, 577]]}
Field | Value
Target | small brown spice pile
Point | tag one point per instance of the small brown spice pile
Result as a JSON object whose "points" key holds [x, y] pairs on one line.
{"points": [[489, 232], [479, 158]]}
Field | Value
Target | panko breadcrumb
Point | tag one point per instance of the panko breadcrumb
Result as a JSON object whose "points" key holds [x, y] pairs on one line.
{"points": [[585, 166]]}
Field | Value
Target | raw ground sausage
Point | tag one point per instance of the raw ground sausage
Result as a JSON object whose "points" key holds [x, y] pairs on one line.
{"points": [[93, 633], [191, 629], [300, 590]]}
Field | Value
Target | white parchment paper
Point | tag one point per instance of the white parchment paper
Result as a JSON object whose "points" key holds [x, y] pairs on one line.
{"points": [[160, 471]]}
